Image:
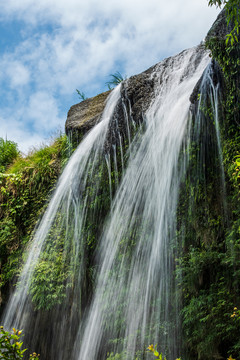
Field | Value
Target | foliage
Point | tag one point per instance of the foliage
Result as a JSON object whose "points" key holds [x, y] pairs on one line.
{"points": [[8, 153], [236, 313], [233, 16], [122, 356], [207, 323], [228, 57], [154, 351], [82, 96], [116, 79], [236, 174], [11, 346], [24, 190], [52, 274], [209, 268], [117, 356], [159, 356], [47, 286]]}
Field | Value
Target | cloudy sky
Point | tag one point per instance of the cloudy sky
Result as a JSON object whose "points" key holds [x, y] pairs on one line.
{"points": [[50, 48]]}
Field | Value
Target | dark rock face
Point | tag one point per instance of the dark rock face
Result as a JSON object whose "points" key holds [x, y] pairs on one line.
{"points": [[219, 29], [138, 92], [217, 77], [136, 95], [83, 116], [218, 32]]}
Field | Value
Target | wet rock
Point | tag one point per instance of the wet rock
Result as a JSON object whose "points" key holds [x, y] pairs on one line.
{"points": [[219, 29], [217, 77], [218, 32], [138, 91]]}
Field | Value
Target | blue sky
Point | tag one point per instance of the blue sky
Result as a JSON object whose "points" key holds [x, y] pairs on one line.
{"points": [[50, 48]]}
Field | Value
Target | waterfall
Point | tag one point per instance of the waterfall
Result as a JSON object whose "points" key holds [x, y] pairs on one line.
{"points": [[133, 298], [61, 226], [132, 301]]}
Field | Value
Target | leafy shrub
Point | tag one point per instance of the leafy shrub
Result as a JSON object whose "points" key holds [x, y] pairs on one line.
{"points": [[8, 153], [48, 283], [24, 190], [11, 346], [154, 351]]}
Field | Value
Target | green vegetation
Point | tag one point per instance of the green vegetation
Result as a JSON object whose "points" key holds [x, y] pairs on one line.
{"points": [[81, 95], [11, 346], [153, 349], [48, 285], [233, 17], [123, 356], [209, 266], [8, 153], [116, 79], [24, 190], [157, 355]]}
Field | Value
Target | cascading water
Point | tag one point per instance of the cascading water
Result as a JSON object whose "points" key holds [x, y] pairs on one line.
{"points": [[132, 302], [209, 94], [62, 227]]}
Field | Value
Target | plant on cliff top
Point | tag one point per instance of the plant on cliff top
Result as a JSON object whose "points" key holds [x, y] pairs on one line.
{"points": [[116, 79], [81, 95]]}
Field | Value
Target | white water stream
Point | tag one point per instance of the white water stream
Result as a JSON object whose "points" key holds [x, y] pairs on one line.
{"points": [[211, 91]]}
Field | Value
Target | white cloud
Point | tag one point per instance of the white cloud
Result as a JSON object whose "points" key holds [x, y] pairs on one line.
{"points": [[20, 134], [42, 112], [77, 43], [17, 73]]}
